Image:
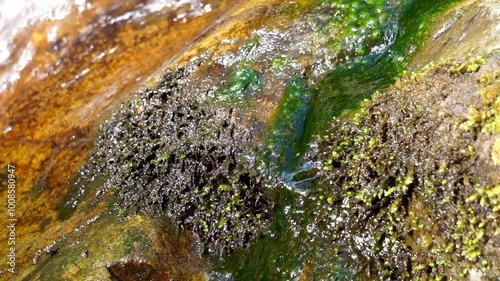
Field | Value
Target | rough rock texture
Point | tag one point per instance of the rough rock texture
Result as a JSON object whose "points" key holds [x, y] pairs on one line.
{"points": [[412, 176], [62, 76], [175, 152], [405, 209]]}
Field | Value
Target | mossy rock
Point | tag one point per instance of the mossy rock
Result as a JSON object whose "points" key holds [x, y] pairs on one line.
{"points": [[408, 174], [185, 150], [178, 153], [464, 31], [136, 248]]}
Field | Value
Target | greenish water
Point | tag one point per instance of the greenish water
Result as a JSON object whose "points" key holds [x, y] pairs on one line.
{"points": [[288, 127], [296, 244], [366, 45], [344, 88]]}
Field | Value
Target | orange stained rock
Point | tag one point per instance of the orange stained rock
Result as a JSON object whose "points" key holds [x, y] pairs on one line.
{"points": [[69, 82]]}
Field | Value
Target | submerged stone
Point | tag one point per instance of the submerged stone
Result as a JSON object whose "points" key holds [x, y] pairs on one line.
{"points": [[147, 249]]}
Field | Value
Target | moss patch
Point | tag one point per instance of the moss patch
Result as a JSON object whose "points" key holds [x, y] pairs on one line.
{"points": [[242, 82], [403, 176]]}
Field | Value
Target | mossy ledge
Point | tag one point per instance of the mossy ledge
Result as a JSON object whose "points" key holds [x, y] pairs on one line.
{"points": [[411, 175], [177, 153]]}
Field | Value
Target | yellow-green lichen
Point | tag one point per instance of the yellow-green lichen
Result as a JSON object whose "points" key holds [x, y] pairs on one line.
{"points": [[394, 165], [495, 152]]}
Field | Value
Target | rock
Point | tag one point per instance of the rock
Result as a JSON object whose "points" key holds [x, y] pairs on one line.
{"points": [[426, 205], [133, 248], [214, 111], [62, 77], [470, 29], [406, 171], [408, 188], [169, 151]]}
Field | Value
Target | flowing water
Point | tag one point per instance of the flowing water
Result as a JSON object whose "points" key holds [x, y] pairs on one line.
{"points": [[64, 65]]}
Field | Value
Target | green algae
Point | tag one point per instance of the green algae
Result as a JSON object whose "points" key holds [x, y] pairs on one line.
{"points": [[362, 55], [398, 183], [289, 249], [396, 197], [344, 88], [288, 127], [242, 83], [346, 49], [303, 224], [335, 93]]}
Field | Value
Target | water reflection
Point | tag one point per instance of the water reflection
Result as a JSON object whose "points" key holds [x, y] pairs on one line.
{"points": [[18, 15], [99, 49]]}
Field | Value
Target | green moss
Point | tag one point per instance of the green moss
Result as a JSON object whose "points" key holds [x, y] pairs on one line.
{"points": [[288, 125], [495, 153], [242, 82], [375, 161]]}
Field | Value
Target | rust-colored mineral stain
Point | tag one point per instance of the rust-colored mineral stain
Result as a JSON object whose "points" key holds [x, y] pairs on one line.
{"points": [[94, 61], [76, 69]]}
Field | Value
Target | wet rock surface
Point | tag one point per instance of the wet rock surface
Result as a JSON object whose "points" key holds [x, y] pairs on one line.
{"points": [[177, 153], [147, 249], [411, 195], [468, 29], [68, 64], [406, 188]]}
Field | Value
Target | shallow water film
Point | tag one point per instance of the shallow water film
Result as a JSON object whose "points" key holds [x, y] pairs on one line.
{"points": [[250, 140]]}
